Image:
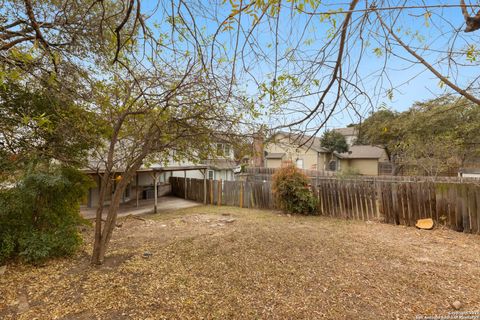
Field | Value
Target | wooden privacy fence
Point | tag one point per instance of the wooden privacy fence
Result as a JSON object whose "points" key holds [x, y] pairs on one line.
{"points": [[452, 204], [260, 174], [228, 193]]}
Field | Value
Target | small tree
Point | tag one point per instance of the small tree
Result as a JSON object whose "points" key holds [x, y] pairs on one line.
{"points": [[291, 191], [333, 141]]}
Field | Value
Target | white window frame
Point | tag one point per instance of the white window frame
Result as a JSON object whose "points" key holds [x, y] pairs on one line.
{"points": [[301, 162], [211, 175]]}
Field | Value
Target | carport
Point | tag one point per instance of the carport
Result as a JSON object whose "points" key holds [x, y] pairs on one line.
{"points": [[157, 171], [145, 185]]}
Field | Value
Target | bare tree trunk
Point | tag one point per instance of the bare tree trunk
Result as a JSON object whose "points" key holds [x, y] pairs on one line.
{"points": [[109, 224], [105, 233], [103, 187], [97, 257]]}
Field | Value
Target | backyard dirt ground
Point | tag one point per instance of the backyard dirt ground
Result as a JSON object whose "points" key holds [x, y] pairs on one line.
{"points": [[232, 263]]}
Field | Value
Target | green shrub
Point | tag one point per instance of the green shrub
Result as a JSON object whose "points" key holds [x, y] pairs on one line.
{"points": [[348, 173], [292, 193], [40, 215]]}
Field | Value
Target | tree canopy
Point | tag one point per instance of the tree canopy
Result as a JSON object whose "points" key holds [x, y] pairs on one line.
{"points": [[431, 137], [320, 59], [334, 141], [125, 83]]}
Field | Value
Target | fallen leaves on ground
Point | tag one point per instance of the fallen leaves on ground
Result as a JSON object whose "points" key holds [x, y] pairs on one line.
{"points": [[226, 263]]}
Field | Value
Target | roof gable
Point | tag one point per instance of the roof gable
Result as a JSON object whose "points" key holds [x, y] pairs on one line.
{"points": [[363, 152], [298, 141]]}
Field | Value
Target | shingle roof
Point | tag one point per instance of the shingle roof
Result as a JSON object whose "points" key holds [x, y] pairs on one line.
{"points": [[273, 155], [348, 131], [309, 142], [470, 170], [363, 152], [221, 164]]}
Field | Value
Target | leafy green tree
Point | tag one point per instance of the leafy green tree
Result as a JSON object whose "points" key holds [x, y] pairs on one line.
{"points": [[431, 137], [334, 141], [384, 128], [39, 127], [39, 216]]}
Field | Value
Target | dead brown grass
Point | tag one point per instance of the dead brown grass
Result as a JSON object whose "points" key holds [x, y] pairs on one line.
{"points": [[261, 265]]}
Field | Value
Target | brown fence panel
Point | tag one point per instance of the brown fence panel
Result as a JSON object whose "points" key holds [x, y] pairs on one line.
{"points": [[452, 203]]}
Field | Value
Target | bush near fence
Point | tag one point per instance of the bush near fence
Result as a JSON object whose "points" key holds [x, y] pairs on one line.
{"points": [[452, 202]]}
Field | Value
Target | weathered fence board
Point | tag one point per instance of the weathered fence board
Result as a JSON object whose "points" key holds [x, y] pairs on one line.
{"points": [[453, 204], [230, 193]]}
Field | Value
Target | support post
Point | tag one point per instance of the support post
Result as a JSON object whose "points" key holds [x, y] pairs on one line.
{"points": [[136, 186], [205, 186], [241, 194], [155, 191]]}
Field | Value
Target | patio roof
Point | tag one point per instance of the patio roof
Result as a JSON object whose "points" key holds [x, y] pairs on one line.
{"points": [[156, 169]]}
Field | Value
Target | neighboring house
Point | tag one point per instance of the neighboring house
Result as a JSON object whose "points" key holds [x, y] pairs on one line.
{"points": [[306, 152], [221, 166], [469, 172], [350, 134], [142, 186], [363, 159]]}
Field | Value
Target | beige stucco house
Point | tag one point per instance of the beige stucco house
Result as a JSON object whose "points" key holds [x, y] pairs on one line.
{"points": [[153, 179], [362, 159], [306, 153]]}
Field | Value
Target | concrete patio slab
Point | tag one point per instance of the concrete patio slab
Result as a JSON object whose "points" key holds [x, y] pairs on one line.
{"points": [[144, 207]]}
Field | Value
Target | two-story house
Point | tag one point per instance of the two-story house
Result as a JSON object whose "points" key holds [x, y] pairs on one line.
{"points": [[153, 178], [306, 152]]}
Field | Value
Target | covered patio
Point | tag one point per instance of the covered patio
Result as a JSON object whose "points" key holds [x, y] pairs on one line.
{"points": [[148, 186]]}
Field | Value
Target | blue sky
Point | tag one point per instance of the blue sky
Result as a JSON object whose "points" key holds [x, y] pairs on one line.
{"points": [[410, 82]]}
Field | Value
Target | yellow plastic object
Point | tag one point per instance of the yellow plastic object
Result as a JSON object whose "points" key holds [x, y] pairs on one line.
{"points": [[426, 224]]}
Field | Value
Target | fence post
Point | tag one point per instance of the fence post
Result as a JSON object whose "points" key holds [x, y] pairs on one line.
{"points": [[185, 183], [378, 193], [211, 192], [241, 194], [219, 203], [205, 186]]}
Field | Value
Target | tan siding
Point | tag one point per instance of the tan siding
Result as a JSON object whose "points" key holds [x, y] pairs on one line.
{"points": [[273, 163], [309, 157], [344, 164], [365, 166]]}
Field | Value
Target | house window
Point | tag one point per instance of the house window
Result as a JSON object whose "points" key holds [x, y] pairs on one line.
{"points": [[299, 163], [219, 149], [332, 165], [223, 149], [227, 150], [211, 174]]}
